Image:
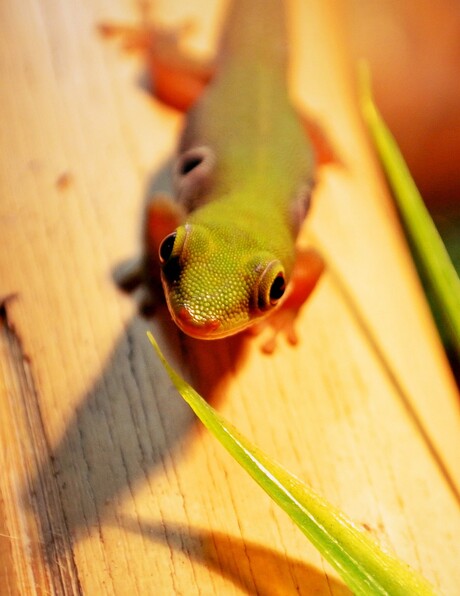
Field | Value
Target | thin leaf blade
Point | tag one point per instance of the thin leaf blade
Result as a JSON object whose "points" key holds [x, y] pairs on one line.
{"points": [[436, 266], [364, 566]]}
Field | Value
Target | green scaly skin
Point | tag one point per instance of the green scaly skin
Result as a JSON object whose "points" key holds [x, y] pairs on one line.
{"points": [[248, 195]]}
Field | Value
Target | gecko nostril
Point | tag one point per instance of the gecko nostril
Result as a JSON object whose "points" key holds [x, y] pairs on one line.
{"points": [[201, 158], [193, 175], [190, 163]]}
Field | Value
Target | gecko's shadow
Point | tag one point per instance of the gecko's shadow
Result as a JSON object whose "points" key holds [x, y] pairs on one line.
{"points": [[123, 431], [254, 568]]}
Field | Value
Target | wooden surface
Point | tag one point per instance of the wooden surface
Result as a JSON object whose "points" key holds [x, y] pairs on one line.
{"points": [[108, 484]]}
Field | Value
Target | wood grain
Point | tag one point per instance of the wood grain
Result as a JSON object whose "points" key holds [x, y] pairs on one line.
{"points": [[108, 485]]}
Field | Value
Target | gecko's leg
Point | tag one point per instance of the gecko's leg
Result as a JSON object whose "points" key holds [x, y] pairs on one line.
{"points": [[324, 151], [162, 217], [307, 271], [177, 79]]}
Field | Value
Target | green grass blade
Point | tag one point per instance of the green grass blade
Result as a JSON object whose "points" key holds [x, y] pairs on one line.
{"points": [[363, 565], [437, 270]]}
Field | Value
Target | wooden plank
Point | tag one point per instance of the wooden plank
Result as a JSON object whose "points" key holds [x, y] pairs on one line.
{"points": [[108, 484]]}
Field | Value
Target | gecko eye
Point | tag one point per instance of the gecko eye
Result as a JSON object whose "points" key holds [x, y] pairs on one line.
{"points": [[278, 288], [271, 286], [166, 248], [170, 254]]}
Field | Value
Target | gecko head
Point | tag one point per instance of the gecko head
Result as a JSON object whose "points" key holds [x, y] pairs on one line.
{"points": [[216, 281]]}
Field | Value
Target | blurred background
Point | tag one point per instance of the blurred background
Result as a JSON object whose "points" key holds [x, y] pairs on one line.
{"points": [[413, 47]]}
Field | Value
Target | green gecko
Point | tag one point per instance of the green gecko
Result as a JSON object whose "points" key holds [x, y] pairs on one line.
{"points": [[225, 244]]}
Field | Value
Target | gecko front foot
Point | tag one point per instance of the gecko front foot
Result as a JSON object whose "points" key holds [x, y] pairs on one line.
{"points": [[307, 272], [142, 275]]}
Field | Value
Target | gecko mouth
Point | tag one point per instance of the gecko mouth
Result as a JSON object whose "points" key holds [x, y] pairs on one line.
{"points": [[200, 329]]}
